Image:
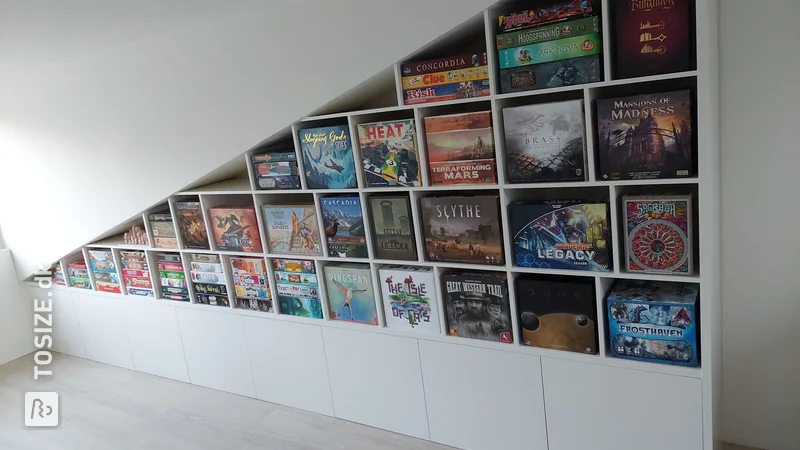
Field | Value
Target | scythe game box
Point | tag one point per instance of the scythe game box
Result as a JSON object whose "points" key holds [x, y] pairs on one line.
{"points": [[658, 234], [389, 153], [461, 149], [477, 306], [328, 157], [392, 227], [235, 228]]}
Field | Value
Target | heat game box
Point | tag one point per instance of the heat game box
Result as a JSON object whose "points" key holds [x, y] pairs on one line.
{"points": [[658, 234], [409, 298], [461, 149], [477, 305], [389, 153], [392, 227], [298, 288], [328, 157], [343, 221], [292, 229], [350, 293], [235, 228], [654, 321]]}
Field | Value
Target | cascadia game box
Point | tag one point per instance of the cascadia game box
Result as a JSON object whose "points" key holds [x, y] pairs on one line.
{"points": [[477, 305], [343, 221], [463, 229], [328, 157], [235, 228], [251, 284], [392, 227], [298, 288], [350, 293], [564, 72], [409, 298], [545, 142], [389, 153], [191, 225], [658, 234], [461, 149], [292, 229]]}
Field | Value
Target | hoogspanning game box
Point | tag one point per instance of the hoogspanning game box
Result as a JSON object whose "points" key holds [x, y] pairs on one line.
{"points": [[344, 226], [658, 234], [297, 287], [191, 225], [460, 149], [477, 305], [654, 321], [292, 229], [571, 234], [389, 153], [392, 227], [251, 284], [409, 298], [350, 293], [235, 228], [545, 142], [646, 136], [462, 229], [328, 157]]}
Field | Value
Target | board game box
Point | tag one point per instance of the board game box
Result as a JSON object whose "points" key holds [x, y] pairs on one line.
{"points": [[163, 230], [173, 277], [136, 273], [392, 227], [251, 284], [446, 77], [658, 234], [545, 142], [235, 228], [567, 72], [463, 229], [298, 288], [208, 280], [389, 153], [551, 32], [444, 64], [276, 170], [292, 229], [461, 149], [653, 38], [343, 221], [104, 270], [571, 235], [328, 157], [548, 12], [350, 293], [543, 52], [445, 92], [78, 276], [191, 225], [409, 298], [558, 313], [646, 136], [477, 306], [654, 321]]}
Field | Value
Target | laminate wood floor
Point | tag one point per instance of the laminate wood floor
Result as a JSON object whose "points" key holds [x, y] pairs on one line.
{"points": [[105, 407]]}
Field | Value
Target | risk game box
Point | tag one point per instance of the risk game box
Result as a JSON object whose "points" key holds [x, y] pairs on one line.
{"points": [[477, 305], [343, 221], [572, 235], [461, 149], [658, 234], [654, 321], [445, 92], [392, 227], [548, 12], [235, 228], [350, 294], [545, 142], [292, 229], [565, 72], [298, 288], [389, 153], [191, 225], [409, 298], [251, 284], [558, 313], [646, 136], [328, 157]]}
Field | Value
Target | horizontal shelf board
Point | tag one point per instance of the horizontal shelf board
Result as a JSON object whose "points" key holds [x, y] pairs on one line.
{"points": [[647, 182], [231, 186], [661, 77], [656, 277], [117, 242]]}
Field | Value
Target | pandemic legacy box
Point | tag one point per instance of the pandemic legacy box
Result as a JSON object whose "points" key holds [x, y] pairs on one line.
{"points": [[545, 142], [572, 235], [558, 313], [328, 157], [292, 229], [409, 298], [389, 153], [646, 136], [350, 293], [191, 225], [463, 229], [392, 227], [654, 321], [235, 228], [343, 221], [565, 72], [658, 234], [461, 149], [477, 305], [298, 288]]}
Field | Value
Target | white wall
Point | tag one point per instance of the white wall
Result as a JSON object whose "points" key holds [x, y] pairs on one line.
{"points": [[760, 120], [16, 313]]}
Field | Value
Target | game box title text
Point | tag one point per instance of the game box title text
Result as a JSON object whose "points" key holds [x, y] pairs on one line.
{"points": [[458, 211], [649, 5], [644, 108], [661, 208], [482, 288], [338, 139]]}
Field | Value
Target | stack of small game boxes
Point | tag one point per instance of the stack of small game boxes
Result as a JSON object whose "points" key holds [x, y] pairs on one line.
{"points": [[173, 277], [276, 170], [79, 276], [251, 285], [298, 288], [136, 273], [58, 275], [163, 230], [104, 271], [208, 280], [456, 77], [557, 44]]}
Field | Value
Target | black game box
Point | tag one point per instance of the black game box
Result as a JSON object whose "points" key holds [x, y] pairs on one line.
{"points": [[477, 306]]}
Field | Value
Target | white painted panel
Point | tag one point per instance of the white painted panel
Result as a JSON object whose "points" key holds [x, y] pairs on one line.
{"points": [[102, 323], [216, 350], [482, 399], [605, 408], [16, 312], [288, 361], [155, 340], [67, 337], [376, 380]]}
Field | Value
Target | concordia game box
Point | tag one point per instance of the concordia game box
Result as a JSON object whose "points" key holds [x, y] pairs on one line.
{"points": [[545, 142], [173, 277], [298, 288], [104, 269], [653, 37], [292, 229], [191, 225], [558, 313], [551, 32], [163, 230], [477, 305], [646, 136], [654, 321], [572, 235], [343, 221], [444, 64], [392, 227], [328, 157], [409, 298], [548, 12], [235, 228], [389, 153], [543, 52], [461, 149], [208, 280], [350, 293], [251, 284], [463, 229], [567, 72], [658, 234]]}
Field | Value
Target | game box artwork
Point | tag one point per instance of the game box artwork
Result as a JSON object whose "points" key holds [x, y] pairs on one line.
{"points": [[292, 229], [251, 284], [658, 234], [208, 280], [104, 269], [550, 32], [653, 37], [461, 149], [545, 142], [350, 293], [558, 313], [572, 235], [409, 298], [343, 221], [567, 72], [328, 157], [389, 153], [646, 136], [477, 305], [548, 12], [173, 277], [298, 288], [163, 230], [235, 228], [392, 227], [544, 52], [191, 225], [463, 229], [654, 321]]}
